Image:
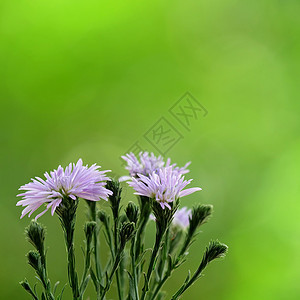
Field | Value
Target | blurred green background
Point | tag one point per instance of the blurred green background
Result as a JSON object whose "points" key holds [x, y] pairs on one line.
{"points": [[89, 78]]}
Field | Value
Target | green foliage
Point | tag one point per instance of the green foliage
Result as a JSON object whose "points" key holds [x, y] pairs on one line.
{"points": [[163, 260]]}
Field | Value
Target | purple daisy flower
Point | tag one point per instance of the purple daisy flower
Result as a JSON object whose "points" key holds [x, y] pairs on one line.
{"points": [[75, 181], [148, 163], [166, 185]]}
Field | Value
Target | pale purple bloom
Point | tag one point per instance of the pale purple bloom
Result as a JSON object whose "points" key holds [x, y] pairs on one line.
{"points": [[182, 170], [75, 181], [181, 217], [147, 163], [165, 186]]}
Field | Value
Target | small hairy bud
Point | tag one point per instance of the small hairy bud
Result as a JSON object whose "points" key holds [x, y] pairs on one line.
{"points": [[132, 212], [200, 215], [215, 250], [35, 234], [34, 259], [114, 199], [89, 228], [126, 233]]}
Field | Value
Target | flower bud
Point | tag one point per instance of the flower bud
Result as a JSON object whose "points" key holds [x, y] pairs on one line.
{"points": [[214, 250], [132, 212], [114, 199], [34, 259], [200, 215], [89, 228], [35, 234], [126, 233]]}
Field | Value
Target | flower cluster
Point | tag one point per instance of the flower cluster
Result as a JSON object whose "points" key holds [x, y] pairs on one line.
{"points": [[147, 164], [75, 181], [165, 185], [160, 185]]}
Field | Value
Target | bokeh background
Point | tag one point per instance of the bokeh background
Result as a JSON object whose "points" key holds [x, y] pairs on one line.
{"points": [[89, 78]]}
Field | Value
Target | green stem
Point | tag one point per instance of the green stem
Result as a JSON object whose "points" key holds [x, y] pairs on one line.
{"points": [[159, 286], [174, 264], [156, 285], [164, 256], [196, 275], [109, 237], [44, 276], [158, 239], [116, 247], [47, 288], [183, 249], [46, 284], [93, 217], [113, 270], [96, 256], [96, 242], [86, 270], [167, 275], [133, 261], [73, 278], [139, 235], [177, 260], [145, 209], [67, 215], [97, 264], [183, 288]]}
